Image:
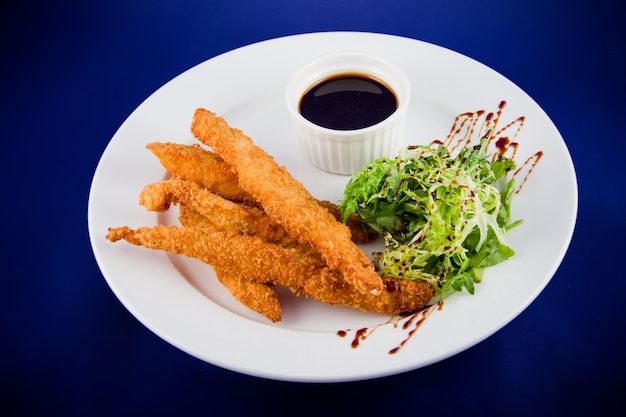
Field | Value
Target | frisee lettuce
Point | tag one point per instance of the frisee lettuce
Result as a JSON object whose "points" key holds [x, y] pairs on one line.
{"points": [[444, 218]]}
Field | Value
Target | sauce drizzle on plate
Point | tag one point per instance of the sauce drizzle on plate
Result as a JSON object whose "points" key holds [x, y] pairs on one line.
{"points": [[466, 128], [409, 322]]}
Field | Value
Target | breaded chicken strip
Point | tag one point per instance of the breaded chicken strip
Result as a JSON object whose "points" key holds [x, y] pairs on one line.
{"points": [[358, 235], [257, 296], [194, 163], [222, 214], [399, 295], [248, 256], [189, 217], [252, 257], [287, 201]]}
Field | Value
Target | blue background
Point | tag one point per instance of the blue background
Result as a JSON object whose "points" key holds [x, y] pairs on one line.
{"points": [[73, 71]]}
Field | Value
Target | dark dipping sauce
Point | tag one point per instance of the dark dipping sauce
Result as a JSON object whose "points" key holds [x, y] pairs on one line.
{"points": [[348, 102]]}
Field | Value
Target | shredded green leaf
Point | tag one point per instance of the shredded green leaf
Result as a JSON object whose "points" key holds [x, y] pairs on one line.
{"points": [[444, 218]]}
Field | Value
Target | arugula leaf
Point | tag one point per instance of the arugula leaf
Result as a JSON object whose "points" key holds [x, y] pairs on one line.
{"points": [[444, 218]]}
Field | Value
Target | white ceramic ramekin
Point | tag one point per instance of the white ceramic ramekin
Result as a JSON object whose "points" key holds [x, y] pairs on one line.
{"points": [[348, 151]]}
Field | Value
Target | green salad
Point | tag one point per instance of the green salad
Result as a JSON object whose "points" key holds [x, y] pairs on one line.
{"points": [[444, 218]]}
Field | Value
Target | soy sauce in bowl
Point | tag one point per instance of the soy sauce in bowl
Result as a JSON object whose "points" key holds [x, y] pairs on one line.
{"points": [[348, 108], [348, 101]]}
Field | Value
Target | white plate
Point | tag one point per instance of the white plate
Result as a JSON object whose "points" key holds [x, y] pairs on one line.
{"points": [[180, 300]]}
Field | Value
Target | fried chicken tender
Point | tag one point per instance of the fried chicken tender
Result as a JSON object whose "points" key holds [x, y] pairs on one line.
{"points": [[257, 296], [399, 295], [254, 258], [194, 163], [221, 213], [287, 201], [198, 207], [358, 235], [245, 255], [189, 217]]}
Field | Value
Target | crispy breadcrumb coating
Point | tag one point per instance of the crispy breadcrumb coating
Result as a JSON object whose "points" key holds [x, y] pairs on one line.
{"points": [[194, 163], [287, 201], [252, 257], [222, 214]]}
